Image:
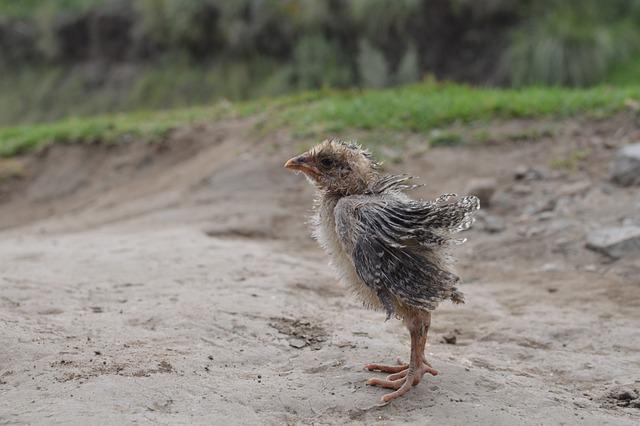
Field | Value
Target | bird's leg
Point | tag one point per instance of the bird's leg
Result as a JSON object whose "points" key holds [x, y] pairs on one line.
{"points": [[406, 376]]}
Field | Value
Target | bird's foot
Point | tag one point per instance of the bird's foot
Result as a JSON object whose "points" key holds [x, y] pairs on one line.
{"points": [[402, 379]]}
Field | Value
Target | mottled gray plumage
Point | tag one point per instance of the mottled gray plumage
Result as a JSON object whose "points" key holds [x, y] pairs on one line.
{"points": [[395, 242]]}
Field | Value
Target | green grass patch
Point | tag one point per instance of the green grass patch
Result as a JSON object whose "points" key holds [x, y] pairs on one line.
{"points": [[150, 126], [416, 108], [425, 106]]}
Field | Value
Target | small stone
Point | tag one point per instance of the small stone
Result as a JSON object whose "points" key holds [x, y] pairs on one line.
{"points": [[483, 188], [450, 338], [297, 343], [527, 173], [520, 172], [615, 242], [623, 393], [625, 170]]}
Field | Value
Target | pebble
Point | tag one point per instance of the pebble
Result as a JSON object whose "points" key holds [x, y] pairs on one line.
{"points": [[450, 338], [623, 393], [615, 242], [297, 343], [625, 170], [527, 173]]}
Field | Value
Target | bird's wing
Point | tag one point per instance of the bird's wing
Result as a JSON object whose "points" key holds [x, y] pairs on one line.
{"points": [[393, 243]]}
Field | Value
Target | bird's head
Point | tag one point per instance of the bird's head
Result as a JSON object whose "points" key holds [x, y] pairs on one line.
{"points": [[338, 167]]}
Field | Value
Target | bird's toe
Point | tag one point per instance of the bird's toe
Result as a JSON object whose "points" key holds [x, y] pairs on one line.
{"points": [[398, 375], [430, 370], [396, 394], [389, 384], [386, 368]]}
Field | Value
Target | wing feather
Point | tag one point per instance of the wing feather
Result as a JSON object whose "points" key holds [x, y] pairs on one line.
{"points": [[396, 244]]}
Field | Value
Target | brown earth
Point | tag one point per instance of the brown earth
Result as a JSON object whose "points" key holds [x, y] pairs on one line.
{"points": [[176, 283]]}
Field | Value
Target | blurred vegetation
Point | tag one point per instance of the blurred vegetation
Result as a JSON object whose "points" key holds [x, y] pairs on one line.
{"points": [[573, 42], [425, 108], [85, 57], [626, 74]]}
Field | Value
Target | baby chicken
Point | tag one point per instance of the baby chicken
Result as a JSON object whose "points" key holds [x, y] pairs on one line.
{"points": [[390, 249]]}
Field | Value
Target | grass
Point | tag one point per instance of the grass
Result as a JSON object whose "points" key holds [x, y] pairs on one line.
{"points": [[106, 129], [416, 108], [423, 107]]}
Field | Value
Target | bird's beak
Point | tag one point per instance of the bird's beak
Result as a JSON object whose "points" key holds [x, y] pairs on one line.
{"points": [[303, 164]]}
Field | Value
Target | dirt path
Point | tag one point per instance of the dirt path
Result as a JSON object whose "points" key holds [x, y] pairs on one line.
{"points": [[177, 284]]}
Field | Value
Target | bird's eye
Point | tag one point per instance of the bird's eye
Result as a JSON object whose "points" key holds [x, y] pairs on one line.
{"points": [[326, 162]]}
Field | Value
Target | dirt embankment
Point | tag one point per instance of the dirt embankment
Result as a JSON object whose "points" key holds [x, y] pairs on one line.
{"points": [[176, 283]]}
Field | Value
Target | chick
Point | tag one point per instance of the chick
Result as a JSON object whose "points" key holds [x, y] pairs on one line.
{"points": [[391, 250]]}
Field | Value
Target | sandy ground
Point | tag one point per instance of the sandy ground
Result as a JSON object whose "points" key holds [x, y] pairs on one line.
{"points": [[177, 284]]}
